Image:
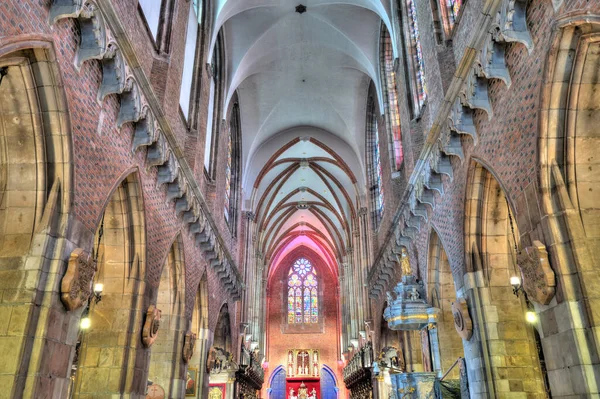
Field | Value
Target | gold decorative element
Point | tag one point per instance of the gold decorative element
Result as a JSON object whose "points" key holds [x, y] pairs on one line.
{"points": [[405, 261], [189, 344], [539, 281], [215, 393], [462, 320], [76, 285], [151, 326]]}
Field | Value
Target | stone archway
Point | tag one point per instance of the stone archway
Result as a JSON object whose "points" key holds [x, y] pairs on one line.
{"points": [[166, 362], [105, 359], [35, 199], [503, 355], [441, 294], [570, 182], [199, 326]]}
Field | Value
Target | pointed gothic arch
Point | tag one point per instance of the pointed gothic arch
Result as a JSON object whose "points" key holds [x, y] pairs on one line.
{"points": [[166, 366], [116, 321], [441, 293], [507, 344]]}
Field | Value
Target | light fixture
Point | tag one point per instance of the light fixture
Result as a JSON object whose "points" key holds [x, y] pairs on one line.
{"points": [[515, 281], [376, 369], [85, 323], [531, 317], [98, 288]]}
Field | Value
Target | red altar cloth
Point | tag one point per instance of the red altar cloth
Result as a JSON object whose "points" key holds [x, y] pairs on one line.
{"points": [[310, 382]]}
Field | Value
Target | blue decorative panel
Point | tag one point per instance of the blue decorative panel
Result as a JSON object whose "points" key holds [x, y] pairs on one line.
{"points": [[328, 387], [278, 384]]}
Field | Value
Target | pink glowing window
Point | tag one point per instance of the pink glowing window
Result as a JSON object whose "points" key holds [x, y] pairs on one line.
{"points": [[302, 301]]}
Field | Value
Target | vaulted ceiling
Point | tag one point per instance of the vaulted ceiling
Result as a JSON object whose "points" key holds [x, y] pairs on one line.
{"points": [[302, 81]]}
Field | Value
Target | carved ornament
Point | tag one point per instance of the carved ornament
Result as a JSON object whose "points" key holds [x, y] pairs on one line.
{"points": [[76, 285], [151, 326], [539, 281], [462, 320], [189, 344]]}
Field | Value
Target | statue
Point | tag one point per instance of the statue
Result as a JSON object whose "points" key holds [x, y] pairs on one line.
{"points": [[405, 262], [313, 394], [291, 395], [414, 294]]}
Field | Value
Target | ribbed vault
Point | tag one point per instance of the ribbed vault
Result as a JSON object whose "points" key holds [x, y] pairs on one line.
{"points": [[290, 69]]}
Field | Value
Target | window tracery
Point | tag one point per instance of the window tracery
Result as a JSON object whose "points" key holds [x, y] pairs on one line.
{"points": [[303, 300]]}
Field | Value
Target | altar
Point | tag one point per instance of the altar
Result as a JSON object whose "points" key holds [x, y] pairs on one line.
{"points": [[303, 388], [303, 380]]}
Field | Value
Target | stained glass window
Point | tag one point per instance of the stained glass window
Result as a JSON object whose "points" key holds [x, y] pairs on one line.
{"points": [[303, 301], [450, 11], [391, 94], [374, 169], [379, 175], [228, 178], [416, 53]]}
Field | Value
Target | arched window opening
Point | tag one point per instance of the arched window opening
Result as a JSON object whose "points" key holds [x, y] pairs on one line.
{"points": [[303, 300], [214, 99], [232, 169], [151, 13], [189, 58], [388, 74], [414, 56], [450, 13], [374, 165]]}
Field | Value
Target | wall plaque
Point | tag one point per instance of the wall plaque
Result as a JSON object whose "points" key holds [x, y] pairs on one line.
{"points": [[462, 320], [189, 344], [76, 285], [539, 281], [151, 326]]}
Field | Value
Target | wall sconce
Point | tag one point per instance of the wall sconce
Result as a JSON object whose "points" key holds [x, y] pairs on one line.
{"points": [[98, 288], [515, 281], [531, 317], [376, 369], [3, 73], [85, 323]]}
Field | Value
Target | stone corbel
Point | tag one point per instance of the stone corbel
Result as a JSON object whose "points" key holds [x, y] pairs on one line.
{"points": [[475, 92], [184, 204], [440, 163], [197, 226], [513, 23], [144, 133], [131, 103], [158, 152], [451, 144], [492, 57], [93, 35], [460, 120], [114, 72], [167, 171], [177, 188], [151, 326]]}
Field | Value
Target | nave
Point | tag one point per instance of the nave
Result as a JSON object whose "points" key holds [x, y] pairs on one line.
{"points": [[307, 199]]}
